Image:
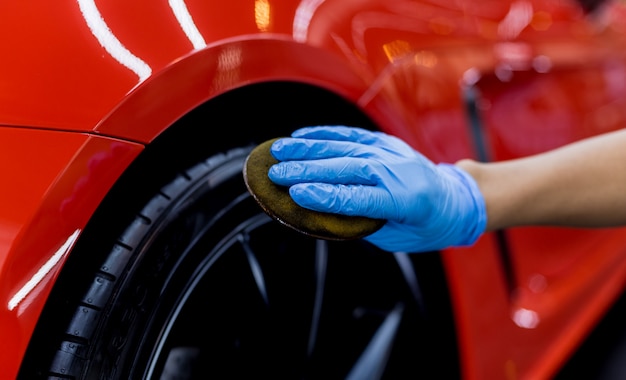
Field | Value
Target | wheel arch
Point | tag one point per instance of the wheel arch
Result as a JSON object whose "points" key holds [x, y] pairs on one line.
{"points": [[196, 79], [273, 109]]}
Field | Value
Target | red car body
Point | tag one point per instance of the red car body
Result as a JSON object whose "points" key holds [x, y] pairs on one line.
{"points": [[86, 85]]}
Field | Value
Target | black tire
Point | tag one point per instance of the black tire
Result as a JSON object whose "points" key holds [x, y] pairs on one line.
{"points": [[202, 284]]}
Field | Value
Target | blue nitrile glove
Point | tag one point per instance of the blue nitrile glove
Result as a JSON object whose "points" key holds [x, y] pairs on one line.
{"points": [[353, 171]]}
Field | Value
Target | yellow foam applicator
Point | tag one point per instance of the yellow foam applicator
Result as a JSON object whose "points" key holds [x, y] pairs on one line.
{"points": [[277, 203]]}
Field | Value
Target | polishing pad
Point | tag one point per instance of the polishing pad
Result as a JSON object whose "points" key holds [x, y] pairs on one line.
{"points": [[277, 203]]}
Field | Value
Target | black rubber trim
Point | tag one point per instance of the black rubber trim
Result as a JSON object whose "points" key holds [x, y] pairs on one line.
{"points": [[483, 154]]}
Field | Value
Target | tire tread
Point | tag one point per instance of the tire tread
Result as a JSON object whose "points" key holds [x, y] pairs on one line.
{"points": [[75, 349]]}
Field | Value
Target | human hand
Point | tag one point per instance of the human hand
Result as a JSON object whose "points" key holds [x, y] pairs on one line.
{"points": [[356, 172]]}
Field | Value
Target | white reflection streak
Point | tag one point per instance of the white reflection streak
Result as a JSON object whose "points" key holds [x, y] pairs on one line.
{"points": [[519, 17], [42, 272], [109, 42], [186, 22], [303, 17]]}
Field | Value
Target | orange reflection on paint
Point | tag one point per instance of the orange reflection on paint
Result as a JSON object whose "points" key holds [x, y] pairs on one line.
{"points": [[262, 14], [426, 58], [396, 49]]}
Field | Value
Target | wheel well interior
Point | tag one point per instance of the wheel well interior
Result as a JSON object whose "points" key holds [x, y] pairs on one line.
{"points": [[255, 113]]}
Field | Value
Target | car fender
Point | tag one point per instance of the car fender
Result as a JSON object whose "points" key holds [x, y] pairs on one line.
{"points": [[205, 74]]}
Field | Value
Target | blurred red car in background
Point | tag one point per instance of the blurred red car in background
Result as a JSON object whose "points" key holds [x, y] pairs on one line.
{"points": [[130, 248]]}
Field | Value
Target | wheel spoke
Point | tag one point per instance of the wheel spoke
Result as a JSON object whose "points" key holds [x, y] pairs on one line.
{"points": [[321, 262], [410, 277], [255, 267], [371, 364]]}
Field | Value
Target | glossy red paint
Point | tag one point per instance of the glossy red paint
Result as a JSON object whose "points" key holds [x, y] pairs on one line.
{"points": [[545, 74]]}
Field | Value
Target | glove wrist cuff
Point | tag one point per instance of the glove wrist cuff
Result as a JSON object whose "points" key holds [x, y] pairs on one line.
{"points": [[476, 217]]}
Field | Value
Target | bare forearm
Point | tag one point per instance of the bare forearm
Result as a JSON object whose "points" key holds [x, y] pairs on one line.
{"points": [[582, 184]]}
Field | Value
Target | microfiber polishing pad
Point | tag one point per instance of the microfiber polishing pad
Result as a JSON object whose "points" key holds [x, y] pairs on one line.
{"points": [[277, 203]]}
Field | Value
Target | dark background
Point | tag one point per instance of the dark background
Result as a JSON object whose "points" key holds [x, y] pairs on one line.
{"points": [[603, 355]]}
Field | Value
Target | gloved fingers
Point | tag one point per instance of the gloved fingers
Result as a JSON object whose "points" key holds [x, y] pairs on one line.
{"points": [[358, 135], [332, 170], [290, 149], [352, 200], [337, 133]]}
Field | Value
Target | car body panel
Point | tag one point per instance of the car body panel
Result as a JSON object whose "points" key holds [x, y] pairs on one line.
{"points": [[48, 197], [129, 70], [529, 333], [100, 53], [555, 271]]}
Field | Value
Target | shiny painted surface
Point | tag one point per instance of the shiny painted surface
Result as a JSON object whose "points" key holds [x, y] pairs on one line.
{"points": [[556, 270], [52, 182], [131, 69]]}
